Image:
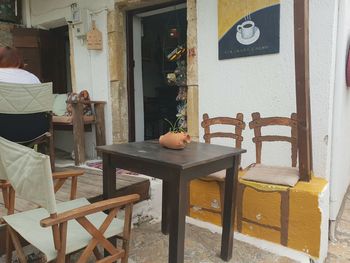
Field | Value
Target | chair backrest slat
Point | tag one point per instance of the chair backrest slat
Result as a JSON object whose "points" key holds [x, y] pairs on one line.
{"points": [[237, 122], [282, 121], [274, 138], [259, 122], [222, 135], [222, 120]]}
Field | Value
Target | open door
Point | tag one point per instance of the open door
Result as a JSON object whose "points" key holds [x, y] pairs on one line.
{"points": [[153, 99], [45, 54]]}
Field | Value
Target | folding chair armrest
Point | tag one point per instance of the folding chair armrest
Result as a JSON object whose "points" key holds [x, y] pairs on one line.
{"points": [[90, 209], [67, 174], [4, 184]]}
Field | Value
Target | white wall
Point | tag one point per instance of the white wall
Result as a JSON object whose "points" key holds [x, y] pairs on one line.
{"points": [[340, 164], [266, 83], [91, 66]]}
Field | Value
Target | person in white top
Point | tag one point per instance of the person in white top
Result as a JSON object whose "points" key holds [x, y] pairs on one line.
{"points": [[11, 68]]}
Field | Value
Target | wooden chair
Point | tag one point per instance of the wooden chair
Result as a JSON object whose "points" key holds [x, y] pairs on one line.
{"points": [[46, 228], [9, 194], [285, 176], [80, 122], [236, 134]]}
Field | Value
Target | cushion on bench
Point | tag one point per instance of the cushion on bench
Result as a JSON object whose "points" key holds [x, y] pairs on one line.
{"points": [[59, 104], [278, 175]]}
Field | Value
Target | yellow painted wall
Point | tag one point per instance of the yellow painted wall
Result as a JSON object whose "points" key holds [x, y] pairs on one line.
{"points": [[304, 222]]}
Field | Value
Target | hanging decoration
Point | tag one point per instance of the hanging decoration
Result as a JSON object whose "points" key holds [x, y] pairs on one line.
{"points": [[248, 27], [174, 33], [94, 38], [176, 53], [177, 77]]}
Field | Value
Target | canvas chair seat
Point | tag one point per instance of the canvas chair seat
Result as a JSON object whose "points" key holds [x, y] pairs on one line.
{"points": [[27, 224], [278, 175]]}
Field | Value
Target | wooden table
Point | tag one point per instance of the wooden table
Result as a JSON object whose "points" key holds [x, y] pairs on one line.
{"points": [[176, 168]]}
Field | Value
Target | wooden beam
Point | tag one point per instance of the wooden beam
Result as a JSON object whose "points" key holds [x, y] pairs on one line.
{"points": [[301, 50]]}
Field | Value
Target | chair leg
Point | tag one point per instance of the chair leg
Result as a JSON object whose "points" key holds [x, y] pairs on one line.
{"points": [[78, 133], [73, 190], [284, 217], [51, 144], [17, 245], [126, 232], [61, 252], [222, 194], [239, 204], [5, 195], [51, 147], [11, 201], [9, 247]]}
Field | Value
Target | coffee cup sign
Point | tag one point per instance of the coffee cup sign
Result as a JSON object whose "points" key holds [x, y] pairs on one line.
{"points": [[247, 29], [94, 38]]}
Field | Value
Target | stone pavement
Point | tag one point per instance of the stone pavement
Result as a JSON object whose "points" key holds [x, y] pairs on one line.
{"points": [[149, 245], [339, 250]]}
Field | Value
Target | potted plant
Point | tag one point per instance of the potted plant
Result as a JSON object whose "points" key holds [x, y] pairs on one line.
{"points": [[176, 138]]}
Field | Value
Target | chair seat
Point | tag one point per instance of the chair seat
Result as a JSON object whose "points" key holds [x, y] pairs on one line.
{"points": [[278, 175], [27, 224], [217, 176]]}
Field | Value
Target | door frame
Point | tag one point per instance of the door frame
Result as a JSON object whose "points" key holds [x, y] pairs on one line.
{"points": [[130, 63]]}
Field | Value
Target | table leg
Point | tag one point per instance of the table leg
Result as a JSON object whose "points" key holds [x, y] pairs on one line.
{"points": [[165, 208], [109, 177], [109, 186], [178, 204], [229, 210]]}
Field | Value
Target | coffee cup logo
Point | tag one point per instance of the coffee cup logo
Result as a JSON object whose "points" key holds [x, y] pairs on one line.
{"points": [[247, 29], [247, 33]]}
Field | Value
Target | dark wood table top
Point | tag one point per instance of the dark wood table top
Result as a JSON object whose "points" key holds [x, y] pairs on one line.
{"points": [[194, 154]]}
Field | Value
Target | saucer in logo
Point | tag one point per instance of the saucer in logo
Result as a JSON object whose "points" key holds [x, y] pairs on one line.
{"points": [[248, 41]]}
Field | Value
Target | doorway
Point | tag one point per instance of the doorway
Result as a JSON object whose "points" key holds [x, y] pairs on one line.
{"points": [[153, 95], [46, 54]]}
